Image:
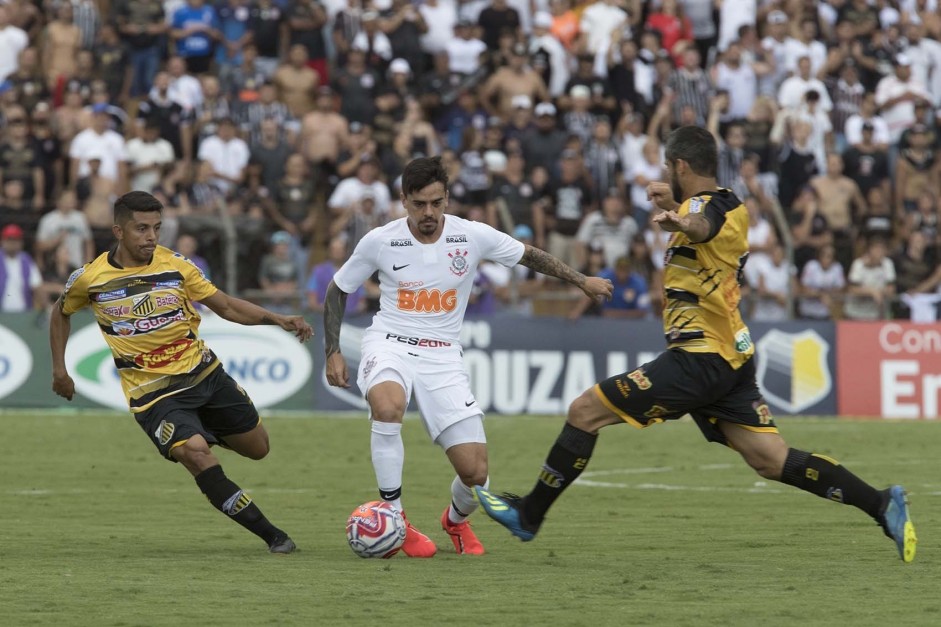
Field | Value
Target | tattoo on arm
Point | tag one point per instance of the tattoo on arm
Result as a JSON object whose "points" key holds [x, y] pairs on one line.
{"points": [[334, 304], [541, 261]]}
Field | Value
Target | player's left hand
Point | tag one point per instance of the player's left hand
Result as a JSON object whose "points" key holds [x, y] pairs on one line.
{"points": [[63, 385], [298, 326], [671, 221], [597, 288]]}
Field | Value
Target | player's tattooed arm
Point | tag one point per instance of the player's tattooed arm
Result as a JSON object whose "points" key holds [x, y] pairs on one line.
{"points": [[334, 304], [541, 261]]}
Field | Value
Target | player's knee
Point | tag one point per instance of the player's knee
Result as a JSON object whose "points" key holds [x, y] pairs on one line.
{"points": [[259, 450], [583, 413], [766, 466], [388, 413], [475, 475], [195, 454]]}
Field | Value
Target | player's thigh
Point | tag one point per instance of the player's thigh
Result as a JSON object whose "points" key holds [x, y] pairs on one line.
{"points": [[228, 411], [385, 376], [670, 386], [443, 393], [253, 444], [169, 424], [741, 406]]}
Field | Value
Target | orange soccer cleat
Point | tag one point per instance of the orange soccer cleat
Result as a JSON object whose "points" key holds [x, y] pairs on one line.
{"points": [[463, 537], [416, 543]]}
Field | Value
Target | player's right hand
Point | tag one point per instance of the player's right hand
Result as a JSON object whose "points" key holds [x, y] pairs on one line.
{"points": [[661, 194], [63, 386], [337, 375]]}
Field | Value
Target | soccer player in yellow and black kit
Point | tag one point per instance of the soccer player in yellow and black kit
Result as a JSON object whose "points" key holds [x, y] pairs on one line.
{"points": [[142, 296], [708, 369]]}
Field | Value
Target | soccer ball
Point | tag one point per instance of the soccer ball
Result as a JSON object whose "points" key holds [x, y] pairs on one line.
{"points": [[376, 529]]}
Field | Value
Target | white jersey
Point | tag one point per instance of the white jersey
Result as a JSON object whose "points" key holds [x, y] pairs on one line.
{"points": [[424, 288]]}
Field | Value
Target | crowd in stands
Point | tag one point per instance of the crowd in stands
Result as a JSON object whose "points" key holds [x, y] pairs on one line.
{"points": [[275, 133]]}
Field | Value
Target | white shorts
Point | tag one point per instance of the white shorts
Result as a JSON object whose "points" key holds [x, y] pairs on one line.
{"points": [[434, 373]]}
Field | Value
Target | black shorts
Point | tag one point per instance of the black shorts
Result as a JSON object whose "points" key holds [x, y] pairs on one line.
{"points": [[215, 407], [678, 382]]}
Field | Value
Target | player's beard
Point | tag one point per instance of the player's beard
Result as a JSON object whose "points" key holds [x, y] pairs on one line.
{"points": [[677, 191], [427, 227]]}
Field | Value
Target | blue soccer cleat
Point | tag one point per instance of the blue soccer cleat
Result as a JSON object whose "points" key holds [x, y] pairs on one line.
{"points": [[897, 523], [506, 510]]}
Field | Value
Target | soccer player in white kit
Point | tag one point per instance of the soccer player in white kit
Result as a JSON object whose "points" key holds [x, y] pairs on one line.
{"points": [[426, 263]]}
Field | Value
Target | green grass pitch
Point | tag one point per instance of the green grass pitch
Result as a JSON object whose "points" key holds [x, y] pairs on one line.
{"points": [[95, 529]]}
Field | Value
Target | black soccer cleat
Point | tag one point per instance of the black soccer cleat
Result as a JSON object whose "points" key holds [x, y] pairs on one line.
{"points": [[282, 544]]}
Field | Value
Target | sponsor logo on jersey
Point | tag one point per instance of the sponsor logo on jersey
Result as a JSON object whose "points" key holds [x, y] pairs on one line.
{"points": [[164, 432], [113, 295], [417, 341], [427, 301], [169, 300], [122, 327], [164, 355], [459, 264], [116, 310], [143, 305], [170, 284], [146, 325], [400, 242], [695, 205], [455, 239]]}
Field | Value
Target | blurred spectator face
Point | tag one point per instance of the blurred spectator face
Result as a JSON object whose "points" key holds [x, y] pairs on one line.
{"points": [[204, 172], [687, 115], [226, 130], [903, 72], [570, 166], [733, 55], [298, 56], [337, 250], [13, 191], [515, 164], [108, 35], [664, 68], [918, 139], [67, 202], [267, 94], [826, 255], [777, 254], [324, 100], [176, 66], [356, 60], [211, 88], [64, 14], [628, 51], [877, 251], [249, 54], [602, 131], [875, 198], [916, 244], [296, 166], [100, 121], [735, 136], [849, 74], [691, 59], [651, 151], [754, 209], [467, 100], [195, 3], [778, 30], [834, 164], [613, 209], [269, 129], [85, 62], [442, 63], [586, 65], [186, 245], [650, 41], [366, 172], [518, 61], [803, 67], [926, 203], [29, 60], [12, 246], [635, 124], [62, 254], [809, 29], [4, 16], [162, 82], [845, 32], [99, 91], [749, 168], [151, 133], [16, 122], [558, 7], [622, 269], [867, 107]]}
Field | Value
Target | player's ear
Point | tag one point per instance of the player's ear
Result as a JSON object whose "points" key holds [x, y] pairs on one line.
{"points": [[117, 231]]}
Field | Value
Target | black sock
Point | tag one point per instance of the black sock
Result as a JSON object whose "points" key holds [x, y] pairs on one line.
{"points": [[567, 459], [825, 477], [229, 499]]}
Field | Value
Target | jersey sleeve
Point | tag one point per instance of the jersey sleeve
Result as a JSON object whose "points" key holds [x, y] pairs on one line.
{"points": [[360, 266], [498, 246], [713, 208], [195, 283], [75, 296]]}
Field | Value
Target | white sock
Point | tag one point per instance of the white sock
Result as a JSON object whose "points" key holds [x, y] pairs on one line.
{"points": [[463, 497], [388, 457]]}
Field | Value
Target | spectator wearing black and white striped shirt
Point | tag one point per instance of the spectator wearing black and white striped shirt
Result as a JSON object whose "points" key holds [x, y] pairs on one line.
{"points": [[691, 87]]}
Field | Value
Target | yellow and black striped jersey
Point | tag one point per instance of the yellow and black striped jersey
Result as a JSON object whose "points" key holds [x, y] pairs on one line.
{"points": [[701, 281], [148, 320]]}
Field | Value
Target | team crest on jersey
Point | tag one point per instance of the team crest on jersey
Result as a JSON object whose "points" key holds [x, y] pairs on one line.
{"points": [[74, 276], [143, 305], [459, 263], [164, 432]]}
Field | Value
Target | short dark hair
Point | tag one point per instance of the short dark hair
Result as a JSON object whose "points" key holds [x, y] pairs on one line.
{"points": [[422, 172], [126, 205], [696, 146]]}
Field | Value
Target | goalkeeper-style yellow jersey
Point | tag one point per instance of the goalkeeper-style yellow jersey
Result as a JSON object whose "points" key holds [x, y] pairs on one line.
{"points": [[701, 281], [148, 320]]}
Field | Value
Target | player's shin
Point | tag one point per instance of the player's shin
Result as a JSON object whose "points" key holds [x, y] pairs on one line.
{"points": [[463, 503], [388, 457], [567, 458], [229, 499], [825, 477]]}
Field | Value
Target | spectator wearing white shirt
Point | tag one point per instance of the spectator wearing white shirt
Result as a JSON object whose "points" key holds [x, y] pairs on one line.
{"points": [[733, 14], [464, 50], [557, 71], [853, 129], [772, 286], [351, 191], [19, 276], [775, 44], [611, 227], [791, 94], [13, 41], [99, 141], [896, 96], [599, 20], [441, 18], [150, 157], [821, 285], [227, 154], [925, 53], [184, 89], [65, 225], [738, 79], [871, 284], [805, 45]]}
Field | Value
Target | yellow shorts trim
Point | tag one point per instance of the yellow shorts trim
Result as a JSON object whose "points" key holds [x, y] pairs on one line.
{"points": [[751, 428], [176, 444], [620, 413]]}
